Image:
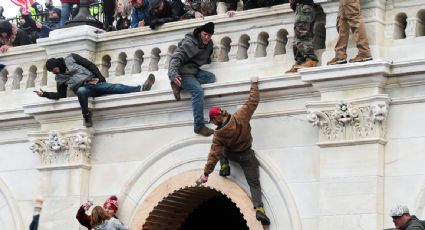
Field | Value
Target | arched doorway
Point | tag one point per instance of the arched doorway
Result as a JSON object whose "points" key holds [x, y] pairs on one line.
{"points": [[195, 208]]}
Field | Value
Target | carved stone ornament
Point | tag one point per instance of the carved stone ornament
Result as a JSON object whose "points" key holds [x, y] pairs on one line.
{"points": [[348, 122], [59, 148]]}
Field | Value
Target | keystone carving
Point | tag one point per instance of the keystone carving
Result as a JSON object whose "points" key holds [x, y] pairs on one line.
{"points": [[59, 148], [348, 122]]}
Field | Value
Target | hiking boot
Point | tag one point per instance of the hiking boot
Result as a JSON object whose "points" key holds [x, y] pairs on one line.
{"points": [[337, 61], [148, 83], [176, 90], [261, 216], [224, 170], [87, 120], [292, 69], [360, 58], [307, 64], [204, 131]]}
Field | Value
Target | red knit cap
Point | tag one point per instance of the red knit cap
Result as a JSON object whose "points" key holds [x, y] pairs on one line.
{"points": [[111, 203], [214, 112]]}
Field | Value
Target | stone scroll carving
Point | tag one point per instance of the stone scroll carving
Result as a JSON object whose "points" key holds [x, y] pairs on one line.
{"points": [[63, 148], [348, 122]]}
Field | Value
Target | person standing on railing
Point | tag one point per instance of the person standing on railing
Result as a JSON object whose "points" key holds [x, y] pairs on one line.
{"points": [[67, 6], [350, 19], [233, 141], [163, 11], [85, 80], [184, 71], [11, 36], [140, 13], [303, 29]]}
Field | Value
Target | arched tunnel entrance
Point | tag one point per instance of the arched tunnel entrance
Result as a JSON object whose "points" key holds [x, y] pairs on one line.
{"points": [[193, 208]]}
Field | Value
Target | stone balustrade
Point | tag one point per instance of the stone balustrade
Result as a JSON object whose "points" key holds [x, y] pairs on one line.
{"points": [[260, 36]]}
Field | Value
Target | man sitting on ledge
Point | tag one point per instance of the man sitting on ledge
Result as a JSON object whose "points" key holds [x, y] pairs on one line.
{"points": [[84, 78]]}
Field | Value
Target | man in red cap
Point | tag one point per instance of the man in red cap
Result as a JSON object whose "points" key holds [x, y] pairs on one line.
{"points": [[233, 141]]}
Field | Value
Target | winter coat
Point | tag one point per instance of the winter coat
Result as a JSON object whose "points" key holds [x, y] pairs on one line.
{"points": [[83, 218], [189, 56], [121, 22], [413, 224], [78, 71], [205, 7], [111, 224], [173, 11], [139, 14], [235, 135]]}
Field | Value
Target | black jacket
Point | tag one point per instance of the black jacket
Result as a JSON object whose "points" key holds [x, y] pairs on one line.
{"points": [[172, 11]]}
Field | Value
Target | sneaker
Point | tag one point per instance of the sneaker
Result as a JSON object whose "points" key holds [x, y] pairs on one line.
{"points": [[87, 120], [148, 83], [261, 216], [307, 64], [176, 90], [204, 131], [360, 58], [337, 61], [292, 69], [224, 170]]}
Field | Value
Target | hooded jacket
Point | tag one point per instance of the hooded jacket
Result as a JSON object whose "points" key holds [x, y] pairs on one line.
{"points": [[234, 136], [172, 11], [78, 71], [189, 56]]}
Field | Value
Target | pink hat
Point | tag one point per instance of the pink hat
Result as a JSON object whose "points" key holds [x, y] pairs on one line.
{"points": [[111, 203]]}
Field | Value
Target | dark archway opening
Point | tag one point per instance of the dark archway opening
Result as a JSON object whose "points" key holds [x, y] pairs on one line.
{"points": [[218, 212]]}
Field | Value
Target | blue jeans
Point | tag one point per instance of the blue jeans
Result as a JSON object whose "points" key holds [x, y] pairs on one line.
{"points": [[84, 92], [66, 11], [192, 83]]}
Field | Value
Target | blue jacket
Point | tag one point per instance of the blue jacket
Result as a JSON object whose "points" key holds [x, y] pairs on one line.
{"points": [[139, 14]]}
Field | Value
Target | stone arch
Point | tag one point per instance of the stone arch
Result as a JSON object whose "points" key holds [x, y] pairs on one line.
{"points": [[319, 29], [178, 165], [121, 63], [281, 41], [420, 25], [175, 208], [224, 49], [11, 216], [3, 79], [243, 47], [32, 75], [262, 43], [153, 64], [137, 62], [105, 65], [17, 78], [171, 50], [400, 25]]}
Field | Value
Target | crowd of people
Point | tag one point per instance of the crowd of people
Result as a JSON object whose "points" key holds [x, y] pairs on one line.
{"points": [[38, 21]]}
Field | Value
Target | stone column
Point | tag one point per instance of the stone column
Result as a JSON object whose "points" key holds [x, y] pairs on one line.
{"points": [[64, 174], [351, 118]]}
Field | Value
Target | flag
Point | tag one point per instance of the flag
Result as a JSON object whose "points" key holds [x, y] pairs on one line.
{"points": [[24, 4]]}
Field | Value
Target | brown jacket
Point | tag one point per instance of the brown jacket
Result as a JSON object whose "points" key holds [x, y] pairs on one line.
{"points": [[235, 136]]}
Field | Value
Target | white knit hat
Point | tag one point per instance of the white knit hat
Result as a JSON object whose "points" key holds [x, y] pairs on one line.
{"points": [[399, 210]]}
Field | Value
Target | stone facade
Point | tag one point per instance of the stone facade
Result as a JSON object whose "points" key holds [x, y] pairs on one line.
{"points": [[337, 145]]}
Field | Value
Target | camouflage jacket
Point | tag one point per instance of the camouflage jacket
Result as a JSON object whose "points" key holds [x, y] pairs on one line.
{"points": [[205, 7]]}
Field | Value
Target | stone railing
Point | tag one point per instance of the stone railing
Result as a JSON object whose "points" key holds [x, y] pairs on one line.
{"points": [[257, 41]]}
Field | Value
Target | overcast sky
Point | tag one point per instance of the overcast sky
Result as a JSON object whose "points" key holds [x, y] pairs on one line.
{"points": [[10, 9]]}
